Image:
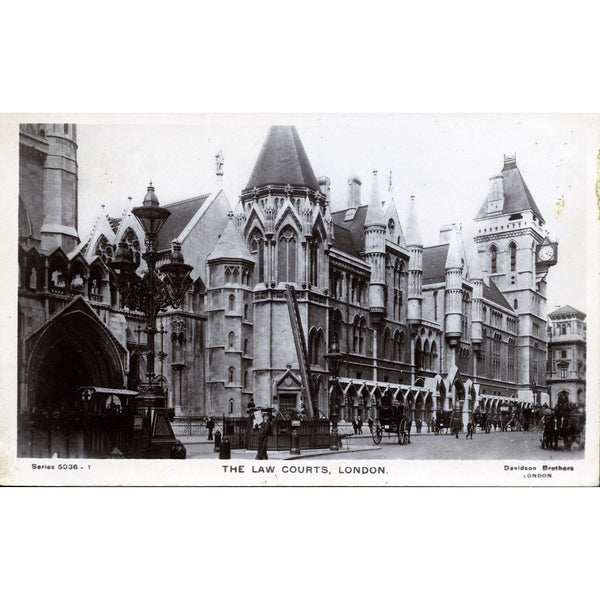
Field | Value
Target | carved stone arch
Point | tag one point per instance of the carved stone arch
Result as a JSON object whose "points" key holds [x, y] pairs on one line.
{"points": [[78, 349], [288, 217], [318, 228], [58, 267], [104, 249], [255, 220], [33, 262]]}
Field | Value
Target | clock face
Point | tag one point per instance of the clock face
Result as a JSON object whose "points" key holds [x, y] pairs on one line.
{"points": [[546, 253]]}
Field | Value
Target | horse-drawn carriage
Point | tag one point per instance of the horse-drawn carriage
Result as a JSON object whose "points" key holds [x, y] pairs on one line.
{"points": [[393, 422], [565, 423], [442, 421]]}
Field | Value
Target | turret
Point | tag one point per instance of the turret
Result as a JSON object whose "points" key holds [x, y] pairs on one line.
{"points": [[59, 227], [375, 251], [454, 293], [414, 243], [476, 276]]}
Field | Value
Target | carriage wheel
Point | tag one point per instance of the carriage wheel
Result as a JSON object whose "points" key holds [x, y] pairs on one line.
{"points": [[403, 432], [376, 435]]}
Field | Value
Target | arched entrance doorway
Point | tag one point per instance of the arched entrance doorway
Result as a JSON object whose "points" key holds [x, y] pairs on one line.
{"points": [[71, 350]]}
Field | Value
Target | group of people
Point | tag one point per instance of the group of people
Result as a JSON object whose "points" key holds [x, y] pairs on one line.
{"points": [[357, 424]]}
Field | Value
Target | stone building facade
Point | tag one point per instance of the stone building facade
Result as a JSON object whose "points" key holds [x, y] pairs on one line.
{"points": [[458, 324], [567, 334]]}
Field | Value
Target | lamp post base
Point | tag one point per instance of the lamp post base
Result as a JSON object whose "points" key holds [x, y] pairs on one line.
{"points": [[334, 438], [151, 401]]}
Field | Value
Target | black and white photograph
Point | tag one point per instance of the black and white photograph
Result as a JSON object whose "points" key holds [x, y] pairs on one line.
{"points": [[326, 289]]}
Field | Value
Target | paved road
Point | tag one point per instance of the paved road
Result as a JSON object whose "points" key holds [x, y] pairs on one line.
{"points": [[490, 446]]}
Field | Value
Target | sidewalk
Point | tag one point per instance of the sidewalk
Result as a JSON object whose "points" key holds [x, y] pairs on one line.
{"points": [[200, 447]]}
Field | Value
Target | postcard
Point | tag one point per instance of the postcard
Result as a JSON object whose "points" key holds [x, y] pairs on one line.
{"points": [[301, 300]]}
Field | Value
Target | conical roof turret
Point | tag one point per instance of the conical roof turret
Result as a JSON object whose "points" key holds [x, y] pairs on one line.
{"points": [[454, 258], [282, 161], [230, 244], [375, 214], [412, 233]]}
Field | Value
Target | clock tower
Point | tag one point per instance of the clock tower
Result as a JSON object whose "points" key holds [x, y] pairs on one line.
{"points": [[516, 253]]}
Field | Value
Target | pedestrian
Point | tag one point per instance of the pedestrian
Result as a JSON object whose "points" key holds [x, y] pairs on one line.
{"points": [[210, 425], [470, 429], [360, 424], [370, 424], [355, 425], [263, 438], [419, 425]]}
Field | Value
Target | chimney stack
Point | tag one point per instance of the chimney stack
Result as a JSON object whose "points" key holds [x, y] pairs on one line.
{"points": [[354, 187]]}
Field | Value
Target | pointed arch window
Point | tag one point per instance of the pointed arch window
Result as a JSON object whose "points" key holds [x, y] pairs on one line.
{"points": [[104, 249], [257, 249], [231, 339], [246, 346], [434, 356], [231, 305], [230, 374], [512, 249], [397, 346], [133, 243], [386, 343], [418, 354], [314, 263], [493, 259], [287, 255]]}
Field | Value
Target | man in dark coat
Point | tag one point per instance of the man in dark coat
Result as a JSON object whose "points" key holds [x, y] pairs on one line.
{"points": [[210, 425], [263, 439]]}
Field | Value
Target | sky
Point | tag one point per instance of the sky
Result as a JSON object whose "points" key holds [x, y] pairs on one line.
{"points": [[444, 160]]}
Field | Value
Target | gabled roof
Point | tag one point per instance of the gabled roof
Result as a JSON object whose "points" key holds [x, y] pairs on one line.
{"points": [[434, 263], [567, 310], [493, 294], [181, 214], [343, 240], [230, 244], [517, 196], [351, 232], [283, 160]]}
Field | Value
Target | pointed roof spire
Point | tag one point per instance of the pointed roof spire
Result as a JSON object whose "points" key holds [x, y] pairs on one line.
{"points": [[230, 244], [283, 160], [454, 258], [412, 233], [375, 214], [517, 196]]}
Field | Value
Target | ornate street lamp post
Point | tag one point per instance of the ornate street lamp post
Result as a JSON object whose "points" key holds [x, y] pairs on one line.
{"points": [[156, 290], [334, 359]]}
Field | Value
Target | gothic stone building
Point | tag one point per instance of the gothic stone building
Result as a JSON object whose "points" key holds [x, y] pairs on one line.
{"points": [[567, 334], [460, 323]]}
